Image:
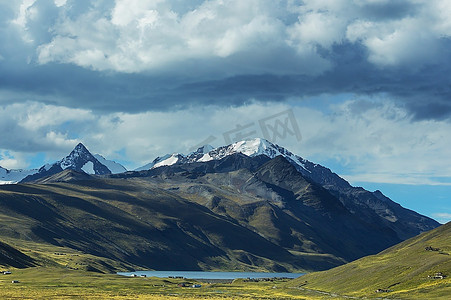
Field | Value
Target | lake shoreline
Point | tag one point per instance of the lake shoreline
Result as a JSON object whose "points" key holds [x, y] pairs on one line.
{"points": [[212, 276]]}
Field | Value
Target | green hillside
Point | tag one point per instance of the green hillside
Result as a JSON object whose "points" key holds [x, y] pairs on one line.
{"points": [[133, 223], [403, 271]]}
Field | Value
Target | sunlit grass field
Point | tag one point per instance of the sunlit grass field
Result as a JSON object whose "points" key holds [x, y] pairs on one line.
{"points": [[58, 283]]}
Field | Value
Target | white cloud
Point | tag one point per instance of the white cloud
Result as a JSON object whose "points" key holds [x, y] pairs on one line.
{"points": [[403, 42], [12, 160], [442, 217], [320, 28], [25, 12], [34, 116], [128, 11], [372, 140], [376, 141], [31, 127], [439, 11], [60, 3], [147, 135], [139, 36], [147, 35]]}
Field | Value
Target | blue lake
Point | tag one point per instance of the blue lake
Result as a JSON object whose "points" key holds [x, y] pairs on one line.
{"points": [[211, 275]]}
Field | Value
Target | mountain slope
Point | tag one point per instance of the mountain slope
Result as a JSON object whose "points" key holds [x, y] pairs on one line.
{"points": [[239, 212], [347, 235], [67, 175], [403, 271], [113, 166], [135, 222], [271, 198], [373, 208], [12, 257]]}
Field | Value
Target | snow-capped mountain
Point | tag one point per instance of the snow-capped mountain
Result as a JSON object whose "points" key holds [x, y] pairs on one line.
{"points": [[81, 160], [14, 176], [174, 158], [251, 148], [258, 146], [166, 160], [373, 206]]}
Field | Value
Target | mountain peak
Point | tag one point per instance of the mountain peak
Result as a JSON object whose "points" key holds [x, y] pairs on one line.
{"points": [[80, 148], [80, 159], [251, 148], [80, 153]]}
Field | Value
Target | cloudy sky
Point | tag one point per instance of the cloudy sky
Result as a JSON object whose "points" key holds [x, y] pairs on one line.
{"points": [[366, 82]]}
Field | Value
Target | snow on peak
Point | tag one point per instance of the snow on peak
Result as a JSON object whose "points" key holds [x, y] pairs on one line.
{"points": [[80, 148], [79, 152], [166, 160], [169, 161], [251, 148], [79, 158], [113, 166]]}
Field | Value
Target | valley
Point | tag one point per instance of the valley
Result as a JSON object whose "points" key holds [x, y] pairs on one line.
{"points": [[264, 211]]}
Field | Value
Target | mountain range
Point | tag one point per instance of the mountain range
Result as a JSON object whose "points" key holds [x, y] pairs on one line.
{"points": [[245, 206], [80, 159], [372, 207]]}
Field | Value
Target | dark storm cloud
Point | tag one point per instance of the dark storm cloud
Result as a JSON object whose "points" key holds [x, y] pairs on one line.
{"points": [[389, 10], [48, 55], [426, 92]]}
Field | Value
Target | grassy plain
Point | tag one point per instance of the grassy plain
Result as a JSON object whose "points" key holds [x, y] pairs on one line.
{"points": [[58, 283]]}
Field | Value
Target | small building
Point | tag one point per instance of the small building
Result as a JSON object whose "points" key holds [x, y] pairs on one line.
{"points": [[15, 281], [6, 272], [143, 275], [196, 285], [429, 248], [438, 275]]}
